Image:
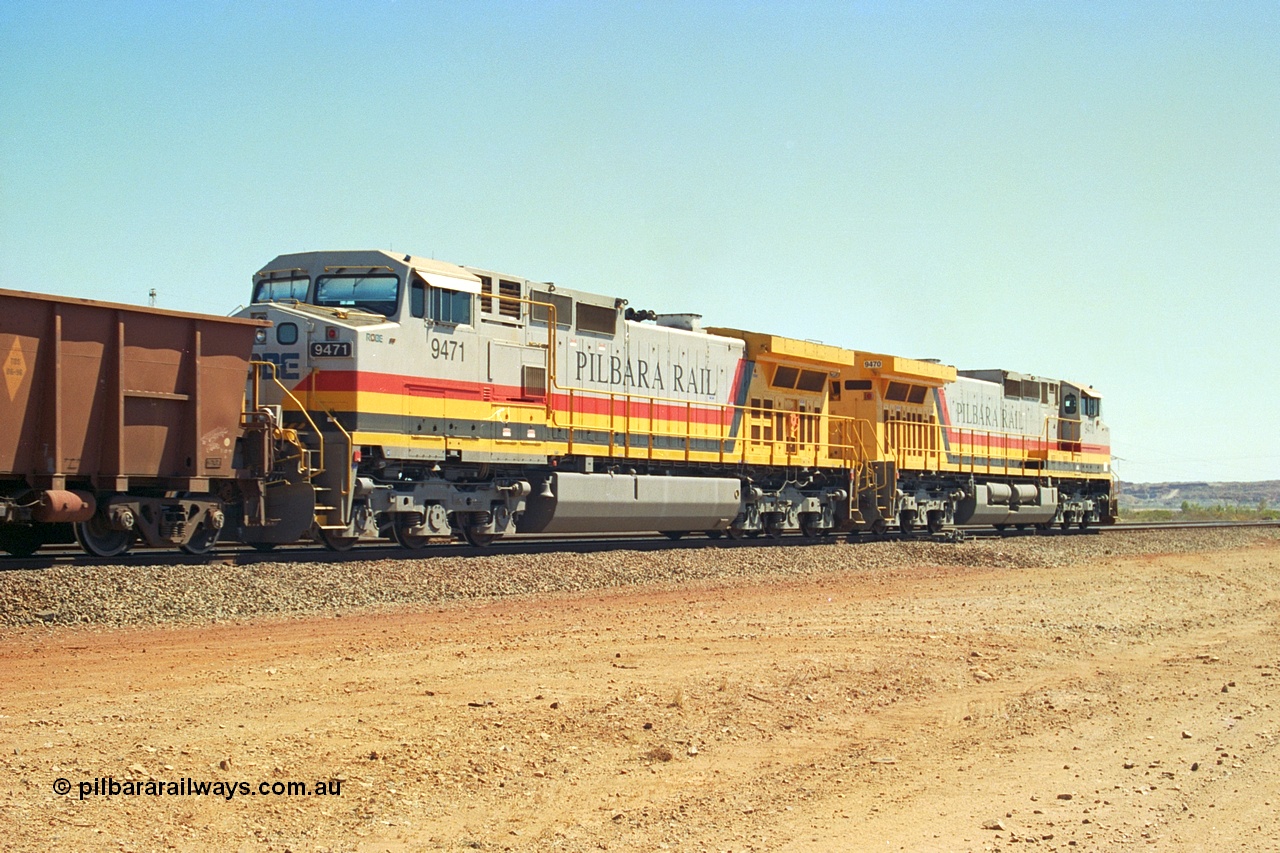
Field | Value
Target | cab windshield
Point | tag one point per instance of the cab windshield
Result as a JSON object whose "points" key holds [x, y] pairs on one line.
{"points": [[376, 294], [281, 289]]}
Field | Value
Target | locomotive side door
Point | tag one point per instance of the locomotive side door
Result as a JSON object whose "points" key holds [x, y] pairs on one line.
{"points": [[1069, 419], [450, 371]]}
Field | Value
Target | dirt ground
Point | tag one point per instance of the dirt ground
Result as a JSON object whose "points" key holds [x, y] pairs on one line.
{"points": [[922, 708]]}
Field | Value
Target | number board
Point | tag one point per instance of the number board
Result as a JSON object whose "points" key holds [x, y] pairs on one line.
{"points": [[331, 349]]}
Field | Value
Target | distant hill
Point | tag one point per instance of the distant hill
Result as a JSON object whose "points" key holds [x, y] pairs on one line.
{"points": [[1172, 495]]}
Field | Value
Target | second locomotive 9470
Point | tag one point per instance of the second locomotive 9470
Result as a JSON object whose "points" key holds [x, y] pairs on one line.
{"points": [[428, 399]]}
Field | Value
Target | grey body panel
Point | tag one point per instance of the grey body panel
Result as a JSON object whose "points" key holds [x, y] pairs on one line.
{"points": [[587, 503], [1002, 503]]}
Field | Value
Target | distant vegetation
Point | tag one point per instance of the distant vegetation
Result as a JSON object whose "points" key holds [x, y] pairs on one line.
{"points": [[1195, 512], [1259, 501]]}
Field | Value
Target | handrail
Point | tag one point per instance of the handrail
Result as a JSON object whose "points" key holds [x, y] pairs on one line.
{"points": [[552, 381], [996, 446], [836, 441], [830, 440], [333, 419], [276, 379]]}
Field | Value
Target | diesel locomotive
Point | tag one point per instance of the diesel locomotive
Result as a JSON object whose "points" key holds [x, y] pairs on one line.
{"points": [[450, 399], [399, 397]]}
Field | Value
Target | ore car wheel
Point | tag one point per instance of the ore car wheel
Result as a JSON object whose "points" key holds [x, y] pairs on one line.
{"points": [[335, 541], [478, 538], [675, 535], [202, 542], [735, 533], [400, 530], [100, 539], [263, 547], [879, 527], [714, 534], [21, 541], [753, 534]]}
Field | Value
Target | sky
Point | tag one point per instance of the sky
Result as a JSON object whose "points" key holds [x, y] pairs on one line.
{"points": [[1078, 190]]}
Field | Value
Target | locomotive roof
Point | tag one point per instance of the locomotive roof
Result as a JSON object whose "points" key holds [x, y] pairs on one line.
{"points": [[307, 262], [999, 375]]}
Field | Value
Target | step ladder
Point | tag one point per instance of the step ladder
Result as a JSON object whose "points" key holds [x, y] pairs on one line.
{"points": [[311, 466]]}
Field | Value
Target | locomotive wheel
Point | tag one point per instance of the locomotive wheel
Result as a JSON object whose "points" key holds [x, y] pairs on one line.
{"points": [[879, 527], [811, 527], [478, 538], [400, 530], [100, 539], [203, 541], [773, 529], [934, 522], [907, 522], [335, 541], [21, 541], [675, 535]]}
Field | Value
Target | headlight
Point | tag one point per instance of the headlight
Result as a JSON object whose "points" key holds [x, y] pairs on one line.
{"points": [[260, 336]]}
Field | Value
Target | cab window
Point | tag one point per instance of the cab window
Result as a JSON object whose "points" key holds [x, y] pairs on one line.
{"points": [[812, 381], [1069, 404], [376, 294], [418, 298], [281, 289], [450, 306]]}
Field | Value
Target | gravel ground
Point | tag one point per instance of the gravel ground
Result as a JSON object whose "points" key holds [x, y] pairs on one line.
{"points": [[122, 595]]}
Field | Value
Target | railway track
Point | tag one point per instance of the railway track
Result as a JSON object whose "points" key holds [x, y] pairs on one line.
{"points": [[234, 554]]}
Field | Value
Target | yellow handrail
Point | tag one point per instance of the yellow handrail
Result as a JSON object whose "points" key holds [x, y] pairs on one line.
{"points": [[256, 398], [333, 419]]}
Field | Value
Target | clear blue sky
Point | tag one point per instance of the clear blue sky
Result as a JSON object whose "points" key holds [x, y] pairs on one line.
{"points": [[1074, 189]]}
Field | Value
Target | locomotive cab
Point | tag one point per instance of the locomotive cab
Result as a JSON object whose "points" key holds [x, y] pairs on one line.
{"points": [[328, 318], [367, 359]]}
